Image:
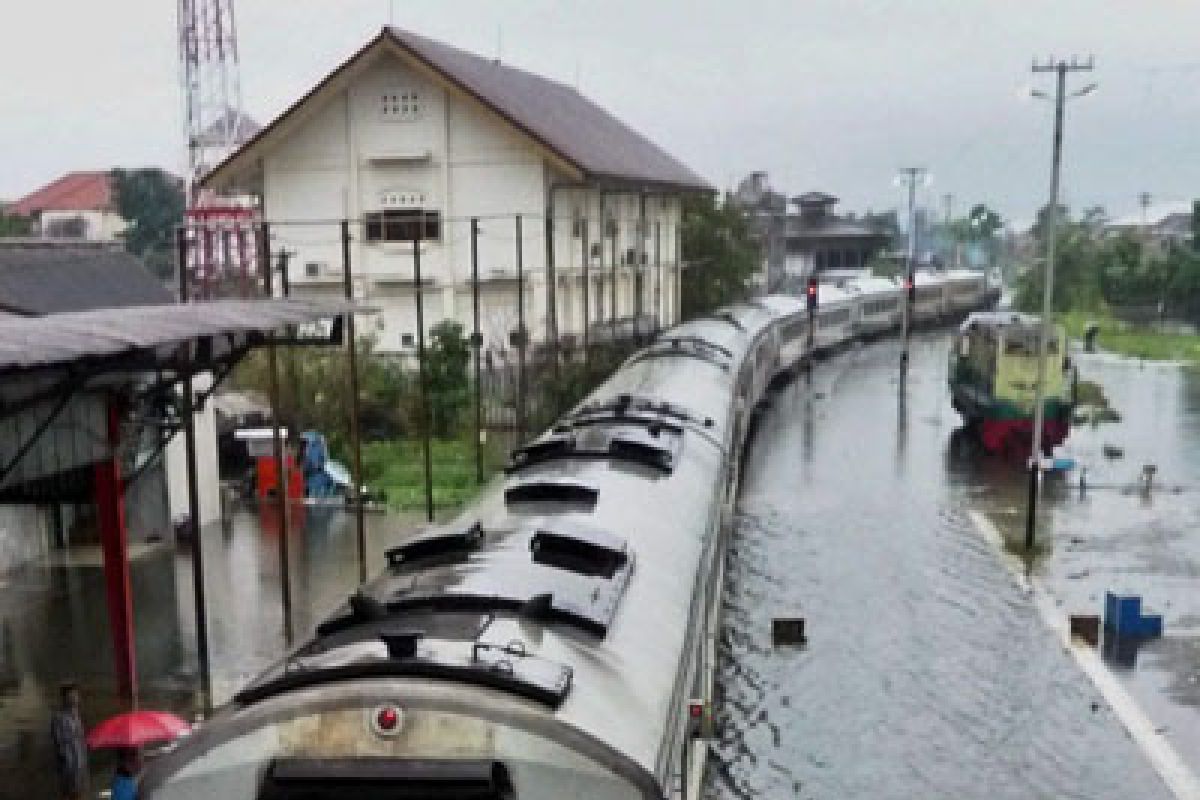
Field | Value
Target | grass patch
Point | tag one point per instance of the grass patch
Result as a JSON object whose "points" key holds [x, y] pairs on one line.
{"points": [[398, 469], [1133, 340]]}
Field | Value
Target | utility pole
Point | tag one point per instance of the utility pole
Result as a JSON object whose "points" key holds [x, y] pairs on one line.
{"points": [[948, 199], [909, 175], [1144, 234], [1060, 68]]}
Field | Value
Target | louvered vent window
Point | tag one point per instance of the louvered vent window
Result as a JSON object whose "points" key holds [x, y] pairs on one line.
{"points": [[400, 105]]}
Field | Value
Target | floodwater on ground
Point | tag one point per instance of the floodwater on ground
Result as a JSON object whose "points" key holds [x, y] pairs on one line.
{"points": [[928, 672], [54, 626]]}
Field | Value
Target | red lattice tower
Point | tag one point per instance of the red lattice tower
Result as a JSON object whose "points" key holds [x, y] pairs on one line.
{"points": [[223, 233]]}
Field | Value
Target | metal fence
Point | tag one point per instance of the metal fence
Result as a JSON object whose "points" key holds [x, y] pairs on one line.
{"points": [[546, 311]]}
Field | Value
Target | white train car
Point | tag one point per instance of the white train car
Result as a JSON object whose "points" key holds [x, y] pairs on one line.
{"points": [[833, 325], [967, 291], [879, 306], [931, 301]]}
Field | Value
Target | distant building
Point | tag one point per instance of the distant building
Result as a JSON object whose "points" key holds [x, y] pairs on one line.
{"points": [[79, 205], [411, 138], [1161, 226], [817, 240], [767, 211]]}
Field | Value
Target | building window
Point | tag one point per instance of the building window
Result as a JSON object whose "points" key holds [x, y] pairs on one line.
{"points": [[400, 105], [402, 198], [403, 225], [407, 340]]}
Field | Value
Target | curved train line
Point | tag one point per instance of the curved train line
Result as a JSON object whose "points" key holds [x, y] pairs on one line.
{"points": [[556, 639]]}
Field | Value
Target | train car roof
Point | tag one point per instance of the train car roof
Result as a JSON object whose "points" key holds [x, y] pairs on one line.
{"points": [[872, 284]]}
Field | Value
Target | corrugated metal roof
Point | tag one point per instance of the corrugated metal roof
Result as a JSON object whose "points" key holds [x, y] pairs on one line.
{"points": [[556, 116], [59, 339], [42, 278]]}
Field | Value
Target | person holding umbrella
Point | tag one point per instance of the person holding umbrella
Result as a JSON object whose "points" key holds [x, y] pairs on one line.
{"points": [[127, 732], [70, 752]]}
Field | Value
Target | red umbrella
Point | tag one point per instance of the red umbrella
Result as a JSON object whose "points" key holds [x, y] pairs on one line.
{"points": [[136, 729]]}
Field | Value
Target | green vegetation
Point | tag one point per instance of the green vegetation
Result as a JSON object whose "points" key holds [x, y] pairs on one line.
{"points": [[398, 469], [446, 372], [719, 247], [1099, 278], [315, 395], [152, 202], [1132, 340], [13, 225]]}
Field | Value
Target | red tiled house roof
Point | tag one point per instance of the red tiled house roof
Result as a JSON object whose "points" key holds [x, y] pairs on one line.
{"points": [[75, 191]]}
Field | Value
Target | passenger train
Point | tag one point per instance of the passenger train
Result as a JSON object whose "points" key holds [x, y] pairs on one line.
{"points": [[558, 638]]}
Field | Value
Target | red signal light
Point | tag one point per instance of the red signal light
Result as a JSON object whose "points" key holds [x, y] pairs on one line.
{"points": [[387, 719]]}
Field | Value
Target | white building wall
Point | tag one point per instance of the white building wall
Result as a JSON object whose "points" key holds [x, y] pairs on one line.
{"points": [[207, 478], [345, 156], [100, 225]]}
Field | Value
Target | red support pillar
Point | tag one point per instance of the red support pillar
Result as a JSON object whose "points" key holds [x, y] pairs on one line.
{"points": [[110, 514]]}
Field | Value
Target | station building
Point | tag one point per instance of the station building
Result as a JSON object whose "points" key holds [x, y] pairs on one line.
{"points": [[412, 138]]}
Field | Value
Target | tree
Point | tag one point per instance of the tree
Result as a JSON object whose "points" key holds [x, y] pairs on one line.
{"points": [[152, 203], [13, 225], [446, 375], [722, 256], [985, 223]]}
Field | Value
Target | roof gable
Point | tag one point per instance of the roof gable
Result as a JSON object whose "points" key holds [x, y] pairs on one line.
{"points": [[75, 191], [555, 116]]}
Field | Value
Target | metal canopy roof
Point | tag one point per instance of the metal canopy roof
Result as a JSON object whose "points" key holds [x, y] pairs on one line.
{"points": [[111, 333]]}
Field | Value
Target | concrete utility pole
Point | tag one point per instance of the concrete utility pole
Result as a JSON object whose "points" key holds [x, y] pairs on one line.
{"points": [[910, 176], [1060, 68], [1144, 233]]}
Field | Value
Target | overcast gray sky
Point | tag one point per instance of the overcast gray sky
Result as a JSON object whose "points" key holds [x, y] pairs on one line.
{"points": [[823, 94]]}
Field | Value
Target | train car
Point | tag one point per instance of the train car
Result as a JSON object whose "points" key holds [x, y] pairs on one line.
{"points": [[832, 324], [930, 302], [556, 639], [879, 305], [993, 376], [966, 292]]}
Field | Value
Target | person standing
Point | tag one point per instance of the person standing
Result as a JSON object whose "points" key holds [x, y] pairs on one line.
{"points": [[124, 785], [70, 746]]}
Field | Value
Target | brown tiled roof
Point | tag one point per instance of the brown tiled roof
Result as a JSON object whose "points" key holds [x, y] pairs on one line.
{"points": [[75, 191], [555, 115]]}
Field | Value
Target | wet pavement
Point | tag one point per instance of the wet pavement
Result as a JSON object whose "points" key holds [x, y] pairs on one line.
{"points": [[928, 671]]}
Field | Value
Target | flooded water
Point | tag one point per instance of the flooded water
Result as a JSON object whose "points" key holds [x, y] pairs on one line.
{"points": [[53, 624], [928, 672]]}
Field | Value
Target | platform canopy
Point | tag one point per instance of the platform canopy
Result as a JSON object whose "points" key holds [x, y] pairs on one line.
{"points": [[58, 373]]}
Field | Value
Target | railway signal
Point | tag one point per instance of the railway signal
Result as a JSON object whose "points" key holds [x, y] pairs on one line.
{"points": [[810, 294]]}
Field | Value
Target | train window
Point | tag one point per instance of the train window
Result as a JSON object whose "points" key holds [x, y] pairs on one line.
{"points": [[363, 778], [587, 552]]}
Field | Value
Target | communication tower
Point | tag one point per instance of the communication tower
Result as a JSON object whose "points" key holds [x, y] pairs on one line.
{"points": [[221, 232]]}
